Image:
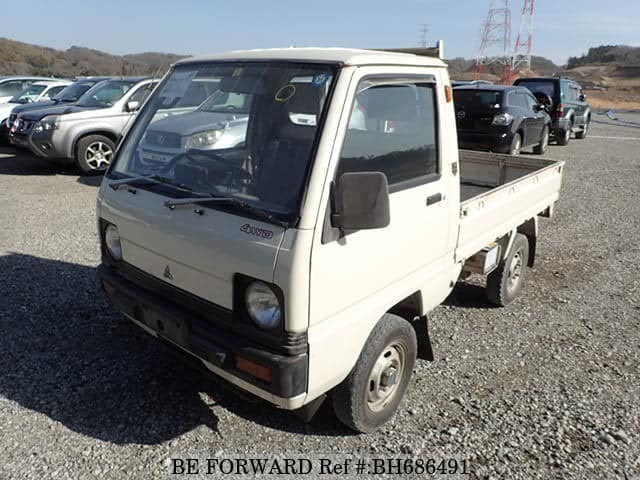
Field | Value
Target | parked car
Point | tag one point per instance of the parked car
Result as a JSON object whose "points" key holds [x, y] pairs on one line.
{"points": [[462, 83], [70, 94], [12, 85], [302, 263], [41, 90], [568, 105], [500, 119], [86, 132]]}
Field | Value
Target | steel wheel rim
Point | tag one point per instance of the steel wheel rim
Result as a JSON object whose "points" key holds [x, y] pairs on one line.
{"points": [[515, 271], [98, 155], [386, 375], [567, 134]]}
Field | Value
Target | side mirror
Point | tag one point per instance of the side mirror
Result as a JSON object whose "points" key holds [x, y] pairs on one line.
{"points": [[582, 97], [361, 201], [538, 108], [132, 106]]}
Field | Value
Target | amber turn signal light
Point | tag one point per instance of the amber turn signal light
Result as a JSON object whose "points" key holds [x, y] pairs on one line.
{"points": [[254, 369]]}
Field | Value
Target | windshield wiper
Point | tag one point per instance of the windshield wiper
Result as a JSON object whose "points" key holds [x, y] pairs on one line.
{"points": [[148, 180], [236, 202]]}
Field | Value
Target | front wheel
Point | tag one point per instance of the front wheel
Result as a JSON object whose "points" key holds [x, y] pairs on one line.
{"points": [[541, 148], [582, 134], [371, 393], [94, 153], [505, 282], [516, 145]]}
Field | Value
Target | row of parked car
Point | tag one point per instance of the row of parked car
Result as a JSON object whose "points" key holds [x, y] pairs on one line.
{"points": [[81, 122], [508, 119], [74, 122]]}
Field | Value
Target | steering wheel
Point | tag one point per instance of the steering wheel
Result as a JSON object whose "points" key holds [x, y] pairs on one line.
{"points": [[215, 162]]}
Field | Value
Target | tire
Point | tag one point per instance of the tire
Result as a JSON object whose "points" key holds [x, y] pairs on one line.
{"points": [[564, 136], [505, 282], [582, 134], [361, 401], [516, 145], [94, 153], [541, 148]]}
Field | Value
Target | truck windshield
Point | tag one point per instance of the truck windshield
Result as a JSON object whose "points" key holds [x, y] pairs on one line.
{"points": [[106, 94], [477, 100], [29, 94], [251, 138]]}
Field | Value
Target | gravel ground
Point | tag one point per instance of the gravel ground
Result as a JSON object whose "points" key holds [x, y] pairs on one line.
{"points": [[547, 388]]}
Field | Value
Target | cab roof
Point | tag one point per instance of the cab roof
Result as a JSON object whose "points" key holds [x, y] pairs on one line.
{"points": [[345, 56]]}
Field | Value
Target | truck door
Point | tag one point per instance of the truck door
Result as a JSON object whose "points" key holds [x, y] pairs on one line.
{"points": [[391, 125]]}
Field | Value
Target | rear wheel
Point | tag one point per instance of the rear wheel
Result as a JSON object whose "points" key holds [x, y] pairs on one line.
{"points": [[541, 148], [582, 134], [505, 282], [371, 393], [516, 145], [94, 153], [564, 136]]}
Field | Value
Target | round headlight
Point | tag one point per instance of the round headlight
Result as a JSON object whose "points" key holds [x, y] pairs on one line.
{"points": [[112, 242], [263, 305]]}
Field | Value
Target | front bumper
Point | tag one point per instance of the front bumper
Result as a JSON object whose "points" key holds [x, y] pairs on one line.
{"points": [[216, 348], [499, 142]]}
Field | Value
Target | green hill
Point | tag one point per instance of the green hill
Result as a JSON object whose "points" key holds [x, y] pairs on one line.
{"points": [[18, 58]]}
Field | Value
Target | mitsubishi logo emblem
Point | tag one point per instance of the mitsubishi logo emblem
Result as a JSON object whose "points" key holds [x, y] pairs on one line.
{"points": [[167, 273]]}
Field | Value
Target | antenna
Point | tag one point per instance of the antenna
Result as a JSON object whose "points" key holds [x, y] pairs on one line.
{"points": [[495, 45]]}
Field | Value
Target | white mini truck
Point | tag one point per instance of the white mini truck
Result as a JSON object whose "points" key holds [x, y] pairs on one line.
{"points": [[303, 262]]}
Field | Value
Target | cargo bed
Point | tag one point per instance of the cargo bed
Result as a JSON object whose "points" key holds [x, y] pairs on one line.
{"points": [[500, 192]]}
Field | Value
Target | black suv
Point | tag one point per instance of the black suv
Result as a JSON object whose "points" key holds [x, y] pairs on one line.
{"points": [[567, 103], [500, 119]]}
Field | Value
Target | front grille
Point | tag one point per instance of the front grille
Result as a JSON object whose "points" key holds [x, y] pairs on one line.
{"points": [[164, 139], [24, 126]]}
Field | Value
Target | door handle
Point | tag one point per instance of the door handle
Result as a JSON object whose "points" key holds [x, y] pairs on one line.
{"points": [[433, 199]]}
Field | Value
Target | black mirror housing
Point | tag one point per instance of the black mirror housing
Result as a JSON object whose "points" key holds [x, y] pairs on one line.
{"points": [[361, 201]]}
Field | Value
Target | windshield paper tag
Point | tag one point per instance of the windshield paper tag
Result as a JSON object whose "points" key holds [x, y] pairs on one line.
{"points": [[320, 79]]}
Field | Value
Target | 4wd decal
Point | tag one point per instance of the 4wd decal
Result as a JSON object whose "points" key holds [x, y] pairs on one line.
{"points": [[256, 232]]}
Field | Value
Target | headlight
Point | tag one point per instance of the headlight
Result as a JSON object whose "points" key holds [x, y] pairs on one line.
{"points": [[204, 139], [47, 123], [112, 242], [502, 119], [263, 305]]}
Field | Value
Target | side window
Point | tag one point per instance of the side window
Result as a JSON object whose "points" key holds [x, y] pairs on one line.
{"points": [[520, 100], [52, 92], [142, 93], [392, 129], [531, 102], [9, 89]]}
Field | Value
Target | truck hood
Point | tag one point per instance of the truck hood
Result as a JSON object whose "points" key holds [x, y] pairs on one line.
{"points": [[39, 114], [200, 254], [194, 122]]}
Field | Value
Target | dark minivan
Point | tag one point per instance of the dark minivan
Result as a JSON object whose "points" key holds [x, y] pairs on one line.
{"points": [[568, 105], [501, 119]]}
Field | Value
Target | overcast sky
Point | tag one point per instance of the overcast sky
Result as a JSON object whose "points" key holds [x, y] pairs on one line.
{"points": [[563, 28]]}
